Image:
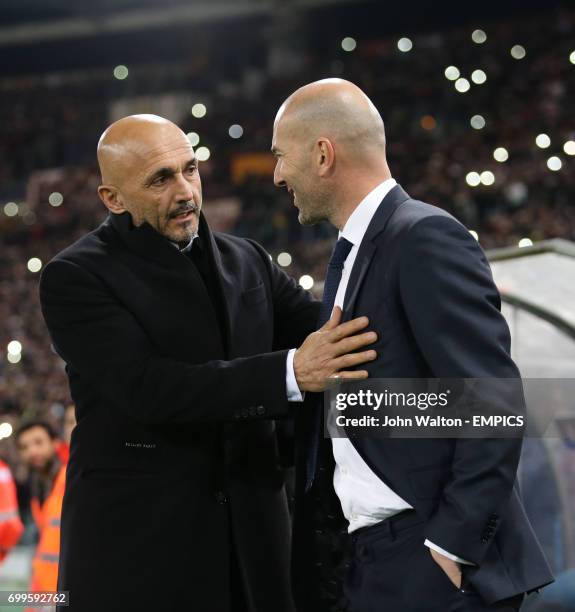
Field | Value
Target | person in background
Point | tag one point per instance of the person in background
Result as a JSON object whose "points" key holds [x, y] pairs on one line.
{"points": [[11, 527], [41, 451]]}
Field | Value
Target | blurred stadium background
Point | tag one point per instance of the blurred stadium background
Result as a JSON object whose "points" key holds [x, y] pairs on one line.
{"points": [[478, 104]]}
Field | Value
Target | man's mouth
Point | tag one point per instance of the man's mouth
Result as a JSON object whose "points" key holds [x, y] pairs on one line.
{"points": [[184, 215]]}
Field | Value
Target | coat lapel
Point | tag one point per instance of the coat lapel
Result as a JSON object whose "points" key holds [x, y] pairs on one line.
{"points": [[224, 281], [147, 243], [368, 247]]}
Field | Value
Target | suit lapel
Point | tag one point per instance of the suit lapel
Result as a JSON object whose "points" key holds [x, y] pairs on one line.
{"points": [[368, 247]]}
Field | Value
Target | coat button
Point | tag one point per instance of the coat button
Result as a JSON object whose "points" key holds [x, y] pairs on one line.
{"points": [[260, 410], [221, 497], [245, 413], [252, 411]]}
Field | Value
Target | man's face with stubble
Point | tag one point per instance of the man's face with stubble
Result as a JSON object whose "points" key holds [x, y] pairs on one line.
{"points": [[161, 186]]}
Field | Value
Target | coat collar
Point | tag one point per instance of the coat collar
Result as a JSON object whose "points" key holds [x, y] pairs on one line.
{"points": [[146, 242], [367, 248]]}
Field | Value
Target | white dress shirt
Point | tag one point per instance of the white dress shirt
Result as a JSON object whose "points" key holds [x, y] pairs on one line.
{"points": [[365, 499]]}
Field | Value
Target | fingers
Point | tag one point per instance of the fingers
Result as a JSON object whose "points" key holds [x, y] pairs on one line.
{"points": [[352, 360], [350, 345], [349, 328], [334, 320], [353, 375]]}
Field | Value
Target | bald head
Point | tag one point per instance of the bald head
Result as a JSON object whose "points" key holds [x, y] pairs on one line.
{"points": [[329, 141], [338, 110], [130, 140], [149, 169]]}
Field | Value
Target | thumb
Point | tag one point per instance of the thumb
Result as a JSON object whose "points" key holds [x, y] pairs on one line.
{"points": [[334, 319]]}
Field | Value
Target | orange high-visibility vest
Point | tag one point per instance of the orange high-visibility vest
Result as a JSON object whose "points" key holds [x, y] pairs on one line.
{"points": [[11, 527], [45, 563]]}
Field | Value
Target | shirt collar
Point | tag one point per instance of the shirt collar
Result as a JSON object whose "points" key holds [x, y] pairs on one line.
{"points": [[360, 218], [186, 248]]}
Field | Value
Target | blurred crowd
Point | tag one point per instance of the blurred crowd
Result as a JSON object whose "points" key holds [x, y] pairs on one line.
{"points": [[50, 126]]}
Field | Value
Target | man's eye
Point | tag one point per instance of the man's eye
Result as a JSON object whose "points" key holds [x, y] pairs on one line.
{"points": [[192, 169], [159, 181]]}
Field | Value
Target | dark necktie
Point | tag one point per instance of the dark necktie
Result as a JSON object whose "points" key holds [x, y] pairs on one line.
{"points": [[332, 280]]}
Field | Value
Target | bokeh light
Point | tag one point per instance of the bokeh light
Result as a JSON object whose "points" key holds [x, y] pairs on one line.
{"points": [[199, 110], [501, 154], [487, 177], [11, 209], [554, 163], [348, 44], [404, 45], [452, 73], [203, 154], [121, 72], [236, 131], [518, 52], [34, 264], [284, 259], [478, 77], [478, 37], [543, 141], [462, 85], [194, 138], [306, 282], [477, 122], [55, 199], [473, 179]]}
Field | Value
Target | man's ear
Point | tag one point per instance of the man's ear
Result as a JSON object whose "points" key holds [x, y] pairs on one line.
{"points": [[325, 156], [111, 198]]}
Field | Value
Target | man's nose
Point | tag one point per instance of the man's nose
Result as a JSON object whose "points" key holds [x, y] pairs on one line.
{"points": [[278, 180], [184, 189]]}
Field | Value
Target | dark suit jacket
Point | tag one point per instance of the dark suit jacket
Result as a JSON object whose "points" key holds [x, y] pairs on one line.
{"points": [[176, 442], [426, 286]]}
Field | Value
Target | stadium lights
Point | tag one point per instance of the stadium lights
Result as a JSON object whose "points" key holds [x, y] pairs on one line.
{"points": [[554, 163], [478, 37], [525, 242], [306, 282], [518, 52], [478, 77], [199, 110], [543, 141], [55, 199], [462, 85], [5, 430], [348, 44], [404, 45], [452, 73], [569, 147], [121, 72], [11, 209], [34, 264], [473, 179], [487, 177], [14, 347], [284, 259], [500, 154], [203, 154], [236, 131], [193, 138], [477, 122]]}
